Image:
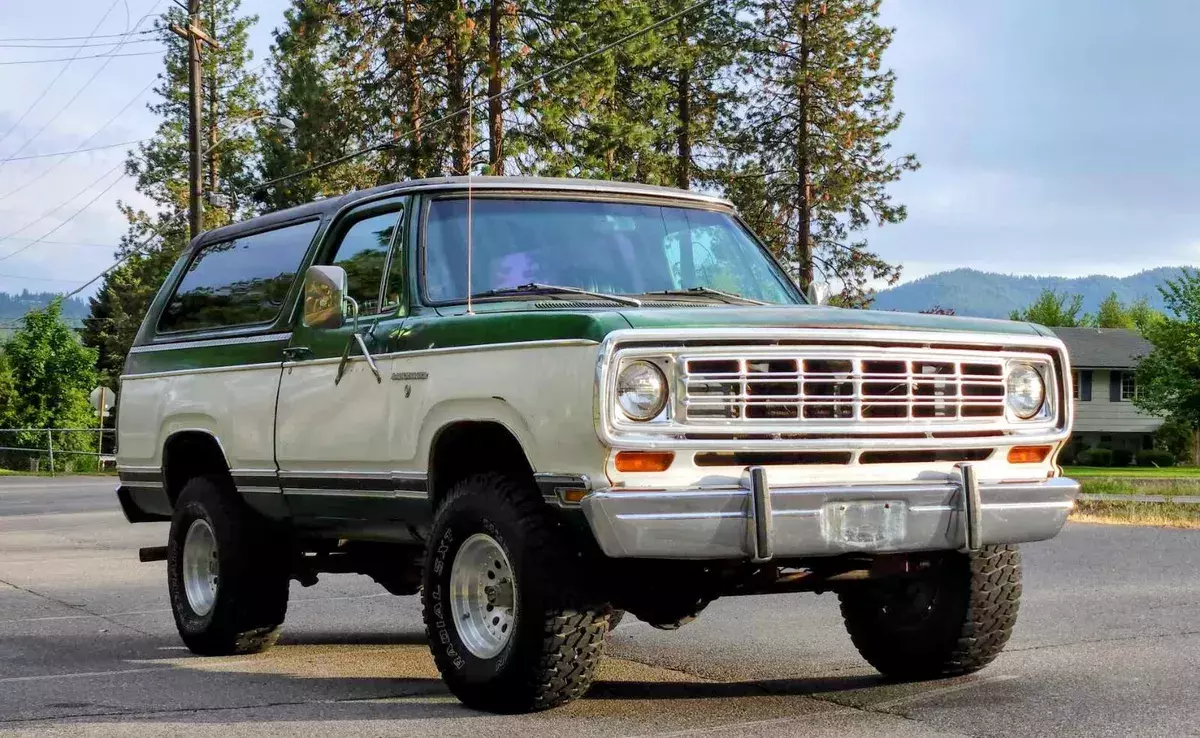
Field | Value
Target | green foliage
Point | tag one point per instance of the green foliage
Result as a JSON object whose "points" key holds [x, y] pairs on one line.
{"points": [[1122, 457], [814, 131], [1174, 437], [155, 239], [1112, 314], [54, 374], [1155, 457], [1052, 310], [1169, 377], [1095, 457]]}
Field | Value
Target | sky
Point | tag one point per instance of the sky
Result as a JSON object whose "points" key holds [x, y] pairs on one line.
{"points": [[1055, 138]]}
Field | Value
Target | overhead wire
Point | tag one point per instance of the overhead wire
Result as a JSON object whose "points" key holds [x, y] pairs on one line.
{"points": [[68, 219], [374, 147], [78, 92], [61, 72], [45, 173], [69, 152], [497, 96], [80, 58], [84, 38]]}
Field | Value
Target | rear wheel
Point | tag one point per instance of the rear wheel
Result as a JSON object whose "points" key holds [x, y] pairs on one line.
{"points": [[226, 572], [510, 620], [952, 620]]}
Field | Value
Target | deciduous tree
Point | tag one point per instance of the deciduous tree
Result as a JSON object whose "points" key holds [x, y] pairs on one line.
{"points": [[1168, 379]]}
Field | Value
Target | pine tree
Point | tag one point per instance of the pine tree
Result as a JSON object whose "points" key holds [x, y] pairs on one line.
{"points": [[160, 167], [814, 129]]}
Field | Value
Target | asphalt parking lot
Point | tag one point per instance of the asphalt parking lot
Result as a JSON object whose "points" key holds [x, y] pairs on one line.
{"points": [[1108, 644]]}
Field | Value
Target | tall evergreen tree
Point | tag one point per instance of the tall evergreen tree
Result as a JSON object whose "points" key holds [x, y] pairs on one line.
{"points": [[160, 167], [814, 130]]}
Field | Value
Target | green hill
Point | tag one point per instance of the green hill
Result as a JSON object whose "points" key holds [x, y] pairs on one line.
{"points": [[988, 295], [14, 306]]}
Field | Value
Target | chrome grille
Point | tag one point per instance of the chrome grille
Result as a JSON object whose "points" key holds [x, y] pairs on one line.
{"points": [[824, 387]]}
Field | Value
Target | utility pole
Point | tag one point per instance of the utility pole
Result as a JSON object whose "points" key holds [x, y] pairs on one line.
{"points": [[195, 36]]}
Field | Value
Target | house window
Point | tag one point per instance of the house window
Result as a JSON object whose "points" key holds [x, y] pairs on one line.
{"points": [[1075, 384], [1128, 386]]}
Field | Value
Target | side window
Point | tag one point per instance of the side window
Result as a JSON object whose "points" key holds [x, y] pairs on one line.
{"points": [[238, 282], [394, 288], [363, 253]]}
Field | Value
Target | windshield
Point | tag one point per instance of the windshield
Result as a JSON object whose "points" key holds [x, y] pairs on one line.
{"points": [[619, 248]]}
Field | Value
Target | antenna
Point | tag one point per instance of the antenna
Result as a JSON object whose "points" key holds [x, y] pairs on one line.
{"points": [[470, 194]]}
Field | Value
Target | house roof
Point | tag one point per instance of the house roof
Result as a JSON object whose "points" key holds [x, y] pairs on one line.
{"points": [[1103, 348]]}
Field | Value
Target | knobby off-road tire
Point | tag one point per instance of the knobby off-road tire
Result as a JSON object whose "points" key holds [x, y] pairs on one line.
{"points": [[954, 621], [251, 567], [558, 626]]}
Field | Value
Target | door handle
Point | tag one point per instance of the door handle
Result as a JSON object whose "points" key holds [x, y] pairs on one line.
{"points": [[297, 353]]}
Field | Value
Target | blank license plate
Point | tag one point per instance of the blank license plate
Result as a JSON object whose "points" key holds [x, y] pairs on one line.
{"points": [[865, 525]]}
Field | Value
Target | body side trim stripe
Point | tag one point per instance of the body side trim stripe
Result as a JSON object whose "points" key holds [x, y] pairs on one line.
{"points": [[211, 342], [205, 370]]}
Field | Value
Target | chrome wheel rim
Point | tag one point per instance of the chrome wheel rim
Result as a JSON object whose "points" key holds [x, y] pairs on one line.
{"points": [[483, 599], [200, 567]]}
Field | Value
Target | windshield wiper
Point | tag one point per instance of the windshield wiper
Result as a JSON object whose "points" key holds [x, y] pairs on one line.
{"points": [[536, 287], [708, 291]]}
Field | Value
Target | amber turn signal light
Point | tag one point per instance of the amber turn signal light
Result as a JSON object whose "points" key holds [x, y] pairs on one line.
{"points": [[1028, 454], [644, 461]]}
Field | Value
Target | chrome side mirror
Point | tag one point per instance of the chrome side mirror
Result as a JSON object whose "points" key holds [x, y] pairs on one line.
{"points": [[816, 295], [324, 297]]}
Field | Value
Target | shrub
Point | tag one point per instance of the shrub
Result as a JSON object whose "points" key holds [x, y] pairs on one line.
{"points": [[1095, 457], [1155, 457], [1122, 457], [1176, 437], [1067, 456]]}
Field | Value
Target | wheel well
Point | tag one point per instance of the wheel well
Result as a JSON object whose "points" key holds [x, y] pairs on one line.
{"points": [[470, 447], [189, 454]]}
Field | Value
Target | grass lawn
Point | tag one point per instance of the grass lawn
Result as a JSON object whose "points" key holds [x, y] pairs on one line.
{"points": [[1136, 472], [1164, 514]]}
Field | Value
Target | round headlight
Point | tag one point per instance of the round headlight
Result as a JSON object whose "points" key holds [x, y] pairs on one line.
{"points": [[641, 390], [1026, 391]]}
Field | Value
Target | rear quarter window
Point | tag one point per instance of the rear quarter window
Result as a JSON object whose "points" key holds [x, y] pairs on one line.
{"points": [[242, 281]]}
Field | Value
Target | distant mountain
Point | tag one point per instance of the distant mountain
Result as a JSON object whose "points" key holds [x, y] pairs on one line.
{"points": [[14, 306], [987, 295]]}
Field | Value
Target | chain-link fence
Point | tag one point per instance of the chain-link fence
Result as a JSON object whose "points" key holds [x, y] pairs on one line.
{"points": [[57, 450]]}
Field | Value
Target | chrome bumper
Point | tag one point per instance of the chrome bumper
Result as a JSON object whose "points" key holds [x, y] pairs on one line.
{"points": [[756, 522]]}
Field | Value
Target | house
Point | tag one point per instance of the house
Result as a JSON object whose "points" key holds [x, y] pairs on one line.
{"points": [[1104, 361]]}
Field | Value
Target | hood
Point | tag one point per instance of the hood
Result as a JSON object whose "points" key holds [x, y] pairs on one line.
{"points": [[812, 316]]}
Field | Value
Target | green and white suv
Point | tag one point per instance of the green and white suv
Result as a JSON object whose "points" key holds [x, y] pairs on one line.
{"points": [[543, 403]]}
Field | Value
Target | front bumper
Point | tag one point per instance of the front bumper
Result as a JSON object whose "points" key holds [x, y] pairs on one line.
{"points": [[756, 522]]}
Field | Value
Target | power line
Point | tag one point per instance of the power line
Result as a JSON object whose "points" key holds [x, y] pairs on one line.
{"points": [[84, 45], [71, 217], [34, 279], [499, 95], [86, 141], [155, 232], [63, 243], [82, 58], [61, 72], [85, 38], [72, 151], [79, 92], [55, 209]]}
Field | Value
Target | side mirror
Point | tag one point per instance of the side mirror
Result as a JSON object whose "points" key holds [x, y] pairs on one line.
{"points": [[816, 295], [324, 297]]}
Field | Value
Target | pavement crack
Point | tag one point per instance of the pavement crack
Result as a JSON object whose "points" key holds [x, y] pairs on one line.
{"points": [[76, 608], [1114, 639]]}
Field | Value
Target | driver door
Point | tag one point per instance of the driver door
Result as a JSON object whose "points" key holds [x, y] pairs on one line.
{"points": [[333, 435]]}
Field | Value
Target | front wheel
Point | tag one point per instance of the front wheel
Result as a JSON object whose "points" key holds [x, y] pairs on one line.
{"points": [[507, 609], [952, 620]]}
